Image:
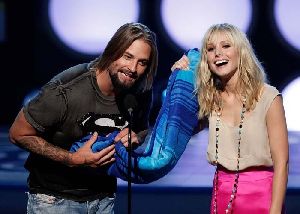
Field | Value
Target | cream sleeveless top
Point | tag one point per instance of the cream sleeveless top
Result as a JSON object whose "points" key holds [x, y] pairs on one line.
{"points": [[255, 148]]}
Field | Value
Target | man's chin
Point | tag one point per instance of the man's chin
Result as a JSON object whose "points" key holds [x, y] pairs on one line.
{"points": [[127, 83], [124, 86], [128, 86]]}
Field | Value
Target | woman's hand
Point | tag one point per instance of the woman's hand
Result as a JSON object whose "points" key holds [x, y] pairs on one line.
{"points": [[181, 64]]}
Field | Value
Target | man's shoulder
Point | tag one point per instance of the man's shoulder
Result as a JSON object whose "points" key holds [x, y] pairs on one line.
{"points": [[72, 73]]}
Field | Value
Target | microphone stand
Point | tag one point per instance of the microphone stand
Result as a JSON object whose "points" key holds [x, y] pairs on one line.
{"points": [[129, 160], [129, 103]]}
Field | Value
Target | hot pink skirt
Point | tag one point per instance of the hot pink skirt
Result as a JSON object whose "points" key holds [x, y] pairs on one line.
{"points": [[254, 191]]}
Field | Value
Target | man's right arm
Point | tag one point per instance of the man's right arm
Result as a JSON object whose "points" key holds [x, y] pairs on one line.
{"points": [[25, 136]]}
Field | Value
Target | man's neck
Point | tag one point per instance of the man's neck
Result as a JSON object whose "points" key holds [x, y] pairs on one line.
{"points": [[104, 83]]}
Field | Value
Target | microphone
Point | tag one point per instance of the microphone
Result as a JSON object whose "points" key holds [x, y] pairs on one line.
{"points": [[130, 103]]}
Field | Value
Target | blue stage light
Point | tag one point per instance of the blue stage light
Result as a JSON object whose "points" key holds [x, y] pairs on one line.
{"points": [[87, 26], [286, 14], [185, 21], [291, 104]]}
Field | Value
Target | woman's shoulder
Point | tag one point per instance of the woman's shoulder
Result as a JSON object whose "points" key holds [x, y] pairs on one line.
{"points": [[269, 93], [269, 90]]}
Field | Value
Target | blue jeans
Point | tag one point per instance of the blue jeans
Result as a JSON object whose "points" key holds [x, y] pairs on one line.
{"points": [[47, 204]]}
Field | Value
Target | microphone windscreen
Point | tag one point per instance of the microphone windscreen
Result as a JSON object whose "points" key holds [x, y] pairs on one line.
{"points": [[130, 102]]}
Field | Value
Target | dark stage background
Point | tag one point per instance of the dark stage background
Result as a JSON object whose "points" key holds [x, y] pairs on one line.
{"points": [[31, 55]]}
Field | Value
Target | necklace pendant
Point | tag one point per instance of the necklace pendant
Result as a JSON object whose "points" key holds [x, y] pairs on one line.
{"points": [[235, 185]]}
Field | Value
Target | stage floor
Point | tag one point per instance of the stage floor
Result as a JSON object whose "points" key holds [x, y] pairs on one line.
{"points": [[192, 170]]}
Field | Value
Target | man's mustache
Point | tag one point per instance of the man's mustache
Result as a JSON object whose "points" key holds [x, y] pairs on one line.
{"points": [[132, 74]]}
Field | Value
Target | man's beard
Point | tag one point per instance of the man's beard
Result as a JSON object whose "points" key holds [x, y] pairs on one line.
{"points": [[118, 85]]}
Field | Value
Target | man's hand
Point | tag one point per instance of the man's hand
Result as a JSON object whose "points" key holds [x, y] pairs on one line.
{"points": [[85, 156], [123, 137]]}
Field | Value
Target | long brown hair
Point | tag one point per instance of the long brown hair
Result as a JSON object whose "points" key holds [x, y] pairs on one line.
{"points": [[120, 42]]}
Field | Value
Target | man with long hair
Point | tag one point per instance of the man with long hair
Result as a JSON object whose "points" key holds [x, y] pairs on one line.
{"points": [[84, 96]]}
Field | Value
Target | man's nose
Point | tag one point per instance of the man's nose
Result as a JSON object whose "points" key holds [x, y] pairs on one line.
{"points": [[133, 66]]}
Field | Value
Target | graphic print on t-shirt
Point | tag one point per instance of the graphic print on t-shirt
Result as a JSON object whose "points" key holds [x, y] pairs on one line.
{"points": [[102, 123]]}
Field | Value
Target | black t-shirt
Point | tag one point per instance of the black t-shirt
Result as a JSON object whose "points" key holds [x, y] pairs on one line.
{"points": [[58, 112]]}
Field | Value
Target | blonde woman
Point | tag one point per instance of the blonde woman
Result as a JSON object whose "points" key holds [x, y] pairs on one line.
{"points": [[248, 139]]}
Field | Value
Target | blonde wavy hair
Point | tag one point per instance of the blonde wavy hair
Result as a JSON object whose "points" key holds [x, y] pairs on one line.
{"points": [[251, 73]]}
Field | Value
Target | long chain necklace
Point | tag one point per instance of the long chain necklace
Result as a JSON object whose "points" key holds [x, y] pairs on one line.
{"points": [[235, 185]]}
